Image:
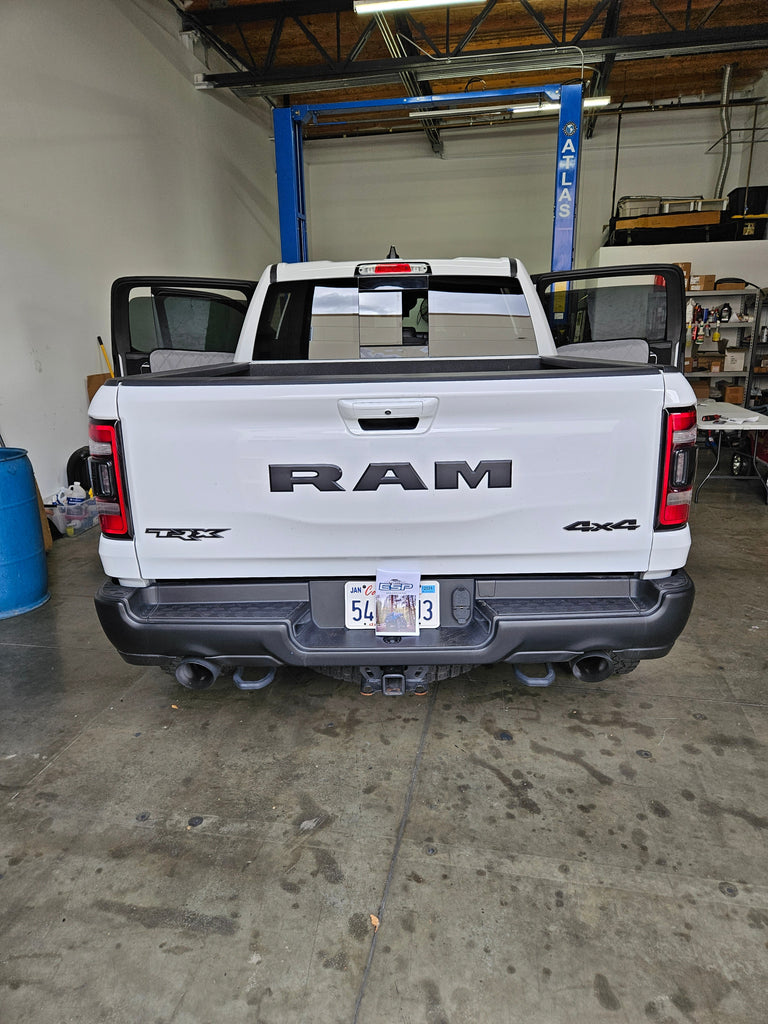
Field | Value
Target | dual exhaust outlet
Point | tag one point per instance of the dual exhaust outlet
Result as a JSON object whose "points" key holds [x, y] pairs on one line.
{"points": [[201, 674]]}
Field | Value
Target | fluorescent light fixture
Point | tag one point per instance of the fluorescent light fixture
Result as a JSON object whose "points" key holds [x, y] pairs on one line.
{"points": [[524, 108], [376, 6], [454, 111], [543, 108]]}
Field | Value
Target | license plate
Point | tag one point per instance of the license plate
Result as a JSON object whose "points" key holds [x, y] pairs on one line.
{"points": [[360, 604]]}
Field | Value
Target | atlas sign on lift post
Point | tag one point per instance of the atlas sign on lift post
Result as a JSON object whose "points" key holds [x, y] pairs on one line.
{"points": [[567, 179]]}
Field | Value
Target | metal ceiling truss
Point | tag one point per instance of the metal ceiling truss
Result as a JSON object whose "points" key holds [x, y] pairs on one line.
{"points": [[394, 44], [602, 74], [350, 71]]}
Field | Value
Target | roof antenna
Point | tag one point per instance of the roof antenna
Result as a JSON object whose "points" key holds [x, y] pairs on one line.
{"points": [[393, 253]]}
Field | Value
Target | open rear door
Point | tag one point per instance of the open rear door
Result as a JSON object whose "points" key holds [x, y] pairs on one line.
{"points": [[630, 314], [164, 323]]}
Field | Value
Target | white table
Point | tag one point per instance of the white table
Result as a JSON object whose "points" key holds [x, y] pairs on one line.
{"points": [[734, 417]]}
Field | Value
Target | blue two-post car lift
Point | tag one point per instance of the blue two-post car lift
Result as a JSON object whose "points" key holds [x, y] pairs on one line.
{"points": [[289, 123]]}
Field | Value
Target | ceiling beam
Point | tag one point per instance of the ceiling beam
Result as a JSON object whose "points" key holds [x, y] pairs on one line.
{"points": [[316, 78], [218, 16]]}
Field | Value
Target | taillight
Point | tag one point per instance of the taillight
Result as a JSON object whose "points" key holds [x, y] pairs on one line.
{"points": [[679, 468], [106, 479]]}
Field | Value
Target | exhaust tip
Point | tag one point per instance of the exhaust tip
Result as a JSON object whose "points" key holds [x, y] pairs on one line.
{"points": [[197, 674], [593, 667]]}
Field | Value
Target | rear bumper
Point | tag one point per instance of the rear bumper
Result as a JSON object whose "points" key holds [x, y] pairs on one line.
{"points": [[512, 619]]}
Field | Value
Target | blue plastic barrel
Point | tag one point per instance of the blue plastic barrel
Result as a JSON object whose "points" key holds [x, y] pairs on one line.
{"points": [[23, 572]]}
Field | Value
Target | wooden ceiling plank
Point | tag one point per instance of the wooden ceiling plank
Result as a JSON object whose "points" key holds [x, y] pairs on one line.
{"points": [[658, 10], [709, 14]]}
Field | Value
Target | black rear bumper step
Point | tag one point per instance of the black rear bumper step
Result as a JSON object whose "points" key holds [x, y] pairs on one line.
{"points": [[513, 619]]}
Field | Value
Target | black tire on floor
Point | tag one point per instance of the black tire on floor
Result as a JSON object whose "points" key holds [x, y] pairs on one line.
{"points": [[77, 468]]}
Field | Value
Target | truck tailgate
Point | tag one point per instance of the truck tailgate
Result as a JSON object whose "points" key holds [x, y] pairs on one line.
{"points": [[578, 497]]}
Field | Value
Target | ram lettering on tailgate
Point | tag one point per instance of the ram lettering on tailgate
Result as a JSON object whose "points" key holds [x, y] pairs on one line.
{"points": [[496, 472]]}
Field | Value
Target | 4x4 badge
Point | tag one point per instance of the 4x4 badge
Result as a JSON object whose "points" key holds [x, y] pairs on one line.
{"points": [[187, 533], [585, 526]]}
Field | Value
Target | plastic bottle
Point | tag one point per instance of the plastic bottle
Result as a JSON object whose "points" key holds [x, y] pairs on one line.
{"points": [[73, 500]]}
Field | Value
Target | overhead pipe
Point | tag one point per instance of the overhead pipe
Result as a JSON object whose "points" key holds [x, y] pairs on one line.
{"points": [[412, 87], [725, 126]]}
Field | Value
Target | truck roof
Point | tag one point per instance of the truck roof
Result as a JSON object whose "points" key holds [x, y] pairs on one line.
{"points": [[467, 265]]}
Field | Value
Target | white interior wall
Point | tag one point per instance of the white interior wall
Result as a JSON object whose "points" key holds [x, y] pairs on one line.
{"points": [[746, 259], [493, 192], [111, 164]]}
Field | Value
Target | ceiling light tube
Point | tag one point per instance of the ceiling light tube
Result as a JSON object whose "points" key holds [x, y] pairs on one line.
{"points": [[454, 111], [377, 6], [523, 108], [527, 108]]}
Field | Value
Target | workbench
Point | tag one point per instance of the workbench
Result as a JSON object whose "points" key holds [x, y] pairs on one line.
{"points": [[733, 418]]}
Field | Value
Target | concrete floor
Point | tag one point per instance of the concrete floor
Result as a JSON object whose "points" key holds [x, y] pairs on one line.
{"points": [[577, 854]]}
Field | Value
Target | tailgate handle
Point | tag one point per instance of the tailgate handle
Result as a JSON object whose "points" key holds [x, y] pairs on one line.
{"points": [[404, 414], [393, 423]]}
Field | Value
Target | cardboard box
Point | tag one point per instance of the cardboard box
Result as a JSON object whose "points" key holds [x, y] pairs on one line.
{"points": [[93, 382], [710, 364], [734, 359], [729, 286], [700, 389], [702, 283], [688, 366], [731, 393], [686, 269]]}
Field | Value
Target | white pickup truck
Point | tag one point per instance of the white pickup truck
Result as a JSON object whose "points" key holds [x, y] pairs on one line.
{"points": [[520, 453]]}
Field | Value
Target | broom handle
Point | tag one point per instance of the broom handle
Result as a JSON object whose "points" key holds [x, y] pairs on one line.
{"points": [[106, 357]]}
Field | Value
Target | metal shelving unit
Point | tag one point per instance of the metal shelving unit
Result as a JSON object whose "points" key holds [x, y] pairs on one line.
{"points": [[741, 332], [757, 385]]}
